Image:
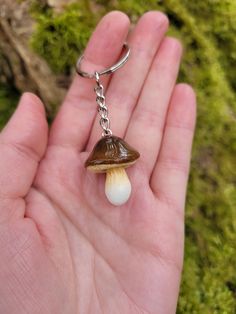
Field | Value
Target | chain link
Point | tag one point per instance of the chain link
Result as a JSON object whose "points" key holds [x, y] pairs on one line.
{"points": [[102, 108]]}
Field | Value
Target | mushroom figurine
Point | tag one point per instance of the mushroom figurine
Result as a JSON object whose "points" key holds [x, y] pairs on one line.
{"points": [[111, 155]]}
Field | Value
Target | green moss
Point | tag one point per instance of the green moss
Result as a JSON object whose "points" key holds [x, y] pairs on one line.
{"points": [[60, 37], [207, 30], [8, 100]]}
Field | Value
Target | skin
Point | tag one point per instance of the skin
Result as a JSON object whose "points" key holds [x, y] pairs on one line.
{"points": [[64, 248]]}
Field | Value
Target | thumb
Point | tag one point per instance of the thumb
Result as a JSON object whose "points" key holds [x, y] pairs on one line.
{"points": [[22, 144]]}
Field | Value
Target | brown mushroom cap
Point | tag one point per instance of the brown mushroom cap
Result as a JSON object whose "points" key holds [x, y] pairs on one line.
{"points": [[111, 152]]}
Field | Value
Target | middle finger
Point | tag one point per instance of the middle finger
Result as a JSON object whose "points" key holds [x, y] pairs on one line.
{"points": [[126, 84]]}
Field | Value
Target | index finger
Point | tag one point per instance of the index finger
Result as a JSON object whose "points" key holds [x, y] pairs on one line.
{"points": [[73, 122]]}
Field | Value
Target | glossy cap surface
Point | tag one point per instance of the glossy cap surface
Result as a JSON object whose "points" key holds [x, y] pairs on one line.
{"points": [[111, 152]]}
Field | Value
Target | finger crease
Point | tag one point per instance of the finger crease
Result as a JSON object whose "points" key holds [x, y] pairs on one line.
{"points": [[23, 150]]}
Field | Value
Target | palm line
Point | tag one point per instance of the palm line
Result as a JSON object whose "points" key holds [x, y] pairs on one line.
{"points": [[58, 207]]}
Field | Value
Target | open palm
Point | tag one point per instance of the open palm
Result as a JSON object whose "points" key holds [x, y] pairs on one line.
{"points": [[64, 248]]}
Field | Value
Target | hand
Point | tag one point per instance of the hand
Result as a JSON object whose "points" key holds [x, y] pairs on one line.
{"points": [[64, 248]]}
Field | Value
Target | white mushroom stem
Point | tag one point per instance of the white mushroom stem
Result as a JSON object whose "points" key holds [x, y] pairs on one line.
{"points": [[117, 186]]}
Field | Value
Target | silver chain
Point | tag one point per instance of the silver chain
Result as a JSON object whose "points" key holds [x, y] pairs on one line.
{"points": [[102, 108]]}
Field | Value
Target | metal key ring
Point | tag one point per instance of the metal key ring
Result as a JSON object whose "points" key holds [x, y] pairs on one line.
{"points": [[109, 70]]}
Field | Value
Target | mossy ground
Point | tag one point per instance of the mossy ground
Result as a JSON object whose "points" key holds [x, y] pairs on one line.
{"points": [[8, 101], [207, 30]]}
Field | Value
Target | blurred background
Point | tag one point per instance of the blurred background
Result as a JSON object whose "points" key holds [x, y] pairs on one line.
{"points": [[39, 44]]}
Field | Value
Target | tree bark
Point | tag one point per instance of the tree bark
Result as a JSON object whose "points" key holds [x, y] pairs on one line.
{"points": [[19, 65]]}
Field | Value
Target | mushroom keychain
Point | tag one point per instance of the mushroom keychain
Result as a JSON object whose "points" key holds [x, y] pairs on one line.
{"points": [[111, 154]]}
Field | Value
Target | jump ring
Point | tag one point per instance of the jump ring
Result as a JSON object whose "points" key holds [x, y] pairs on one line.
{"points": [[109, 70]]}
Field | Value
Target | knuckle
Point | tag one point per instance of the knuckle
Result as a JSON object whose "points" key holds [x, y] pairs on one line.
{"points": [[174, 164]]}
